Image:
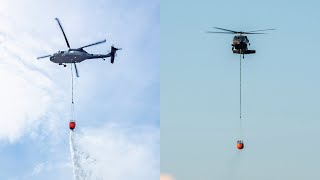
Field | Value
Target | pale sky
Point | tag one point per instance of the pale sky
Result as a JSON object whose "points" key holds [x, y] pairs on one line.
{"points": [[200, 90]]}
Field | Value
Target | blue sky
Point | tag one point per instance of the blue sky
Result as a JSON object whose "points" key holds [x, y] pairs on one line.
{"points": [[200, 91], [117, 106]]}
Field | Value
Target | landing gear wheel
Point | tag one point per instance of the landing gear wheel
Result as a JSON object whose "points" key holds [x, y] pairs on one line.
{"points": [[64, 65]]}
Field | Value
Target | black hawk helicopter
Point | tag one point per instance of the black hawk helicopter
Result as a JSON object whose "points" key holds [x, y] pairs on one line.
{"points": [[78, 55], [240, 41]]}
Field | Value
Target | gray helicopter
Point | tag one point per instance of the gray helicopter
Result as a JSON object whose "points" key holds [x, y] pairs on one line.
{"points": [[240, 42], [78, 55]]}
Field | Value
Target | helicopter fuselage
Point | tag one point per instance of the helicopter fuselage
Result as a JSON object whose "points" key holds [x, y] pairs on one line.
{"points": [[240, 45], [74, 56], [240, 42]]}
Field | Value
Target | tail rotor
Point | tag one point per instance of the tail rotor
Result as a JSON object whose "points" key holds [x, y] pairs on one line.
{"points": [[113, 53]]}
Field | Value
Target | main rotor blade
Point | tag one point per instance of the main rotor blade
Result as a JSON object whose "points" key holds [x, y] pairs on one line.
{"points": [[260, 30], [65, 37], [99, 42], [43, 56], [253, 33], [75, 67], [219, 32], [225, 29]]}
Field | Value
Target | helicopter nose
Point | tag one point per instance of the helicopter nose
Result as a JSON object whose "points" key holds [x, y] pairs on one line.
{"points": [[52, 58]]}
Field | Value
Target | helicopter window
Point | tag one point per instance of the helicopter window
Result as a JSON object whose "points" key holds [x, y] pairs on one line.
{"points": [[236, 38]]}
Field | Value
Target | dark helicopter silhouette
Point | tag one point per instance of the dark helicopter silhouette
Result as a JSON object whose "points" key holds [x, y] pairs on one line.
{"points": [[240, 41], [77, 55]]}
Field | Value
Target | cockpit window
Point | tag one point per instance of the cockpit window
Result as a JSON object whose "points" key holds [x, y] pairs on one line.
{"points": [[240, 38], [236, 38]]}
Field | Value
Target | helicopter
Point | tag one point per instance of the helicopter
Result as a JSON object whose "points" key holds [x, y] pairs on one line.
{"points": [[240, 41], [77, 55]]}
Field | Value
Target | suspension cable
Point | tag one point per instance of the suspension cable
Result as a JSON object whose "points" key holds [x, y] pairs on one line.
{"points": [[240, 99], [72, 101]]}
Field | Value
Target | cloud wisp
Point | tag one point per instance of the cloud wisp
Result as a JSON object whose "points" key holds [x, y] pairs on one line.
{"points": [[26, 92], [119, 152]]}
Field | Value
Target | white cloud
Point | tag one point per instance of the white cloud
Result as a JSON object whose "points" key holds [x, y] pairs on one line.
{"points": [[26, 93], [38, 169], [111, 152], [118, 152]]}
